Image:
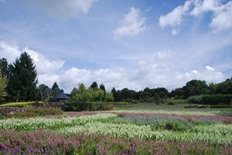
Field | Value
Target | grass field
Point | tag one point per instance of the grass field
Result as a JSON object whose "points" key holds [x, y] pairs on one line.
{"points": [[131, 129]]}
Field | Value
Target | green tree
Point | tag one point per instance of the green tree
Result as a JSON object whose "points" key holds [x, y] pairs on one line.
{"points": [[55, 90], [177, 93], [109, 97], [102, 87], [45, 93], [195, 87], [224, 87], [80, 98], [22, 79], [3, 85], [4, 67], [94, 85]]}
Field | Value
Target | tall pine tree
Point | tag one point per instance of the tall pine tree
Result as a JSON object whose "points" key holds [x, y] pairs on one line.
{"points": [[22, 79]]}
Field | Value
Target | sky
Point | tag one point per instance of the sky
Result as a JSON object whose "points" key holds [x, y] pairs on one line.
{"points": [[121, 43]]}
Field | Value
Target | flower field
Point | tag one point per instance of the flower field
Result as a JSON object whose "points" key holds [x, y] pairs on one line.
{"points": [[118, 132]]}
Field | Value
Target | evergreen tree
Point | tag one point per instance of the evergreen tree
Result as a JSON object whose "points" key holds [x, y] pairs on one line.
{"points": [[55, 90], [102, 87], [94, 85], [22, 79]]}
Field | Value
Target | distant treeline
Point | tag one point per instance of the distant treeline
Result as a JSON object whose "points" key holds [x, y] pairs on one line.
{"points": [[192, 88], [18, 82]]}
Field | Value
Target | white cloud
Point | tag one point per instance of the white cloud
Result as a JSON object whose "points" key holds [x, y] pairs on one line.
{"points": [[131, 25], [221, 18], [62, 8], [114, 77], [194, 72], [175, 17], [11, 52], [43, 64], [202, 6], [208, 68], [208, 74]]}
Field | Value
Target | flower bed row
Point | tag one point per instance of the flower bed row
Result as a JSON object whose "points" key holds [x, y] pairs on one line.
{"points": [[47, 142], [225, 119], [131, 127]]}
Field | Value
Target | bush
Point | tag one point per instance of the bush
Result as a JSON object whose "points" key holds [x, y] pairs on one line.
{"points": [[221, 106], [91, 106], [105, 106]]}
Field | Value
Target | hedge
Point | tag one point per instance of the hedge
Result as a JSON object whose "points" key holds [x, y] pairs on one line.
{"points": [[215, 99]]}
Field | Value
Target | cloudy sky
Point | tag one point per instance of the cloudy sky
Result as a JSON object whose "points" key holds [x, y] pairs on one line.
{"points": [[120, 43]]}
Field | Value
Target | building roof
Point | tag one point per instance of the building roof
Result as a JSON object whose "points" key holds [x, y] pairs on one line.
{"points": [[61, 96]]}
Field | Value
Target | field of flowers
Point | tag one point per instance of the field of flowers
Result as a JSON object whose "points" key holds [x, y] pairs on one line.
{"points": [[119, 132]]}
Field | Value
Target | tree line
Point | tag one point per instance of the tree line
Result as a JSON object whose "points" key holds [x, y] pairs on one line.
{"points": [[18, 82], [192, 88]]}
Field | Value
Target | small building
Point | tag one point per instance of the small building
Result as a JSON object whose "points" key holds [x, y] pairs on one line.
{"points": [[61, 96]]}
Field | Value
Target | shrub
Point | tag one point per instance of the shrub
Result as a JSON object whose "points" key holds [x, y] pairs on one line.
{"points": [[91, 106], [221, 106], [105, 106]]}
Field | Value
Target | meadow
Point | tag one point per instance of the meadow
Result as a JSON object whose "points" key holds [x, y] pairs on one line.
{"points": [[147, 129]]}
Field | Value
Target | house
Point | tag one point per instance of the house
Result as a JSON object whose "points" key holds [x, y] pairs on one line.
{"points": [[61, 96]]}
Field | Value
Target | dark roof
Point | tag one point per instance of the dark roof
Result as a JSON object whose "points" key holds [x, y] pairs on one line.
{"points": [[61, 96]]}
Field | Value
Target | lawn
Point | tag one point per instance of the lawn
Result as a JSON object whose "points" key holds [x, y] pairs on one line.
{"points": [[147, 129]]}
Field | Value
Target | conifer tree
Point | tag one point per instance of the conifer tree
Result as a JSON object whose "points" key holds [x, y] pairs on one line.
{"points": [[22, 79]]}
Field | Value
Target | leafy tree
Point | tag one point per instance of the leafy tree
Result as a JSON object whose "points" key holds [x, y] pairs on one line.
{"points": [[195, 87], [109, 97], [80, 98], [162, 92], [177, 93], [3, 79], [3, 85], [45, 93], [22, 79], [4, 67], [97, 95], [224, 87]]}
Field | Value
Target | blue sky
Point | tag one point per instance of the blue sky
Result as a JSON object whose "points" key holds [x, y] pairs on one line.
{"points": [[120, 43]]}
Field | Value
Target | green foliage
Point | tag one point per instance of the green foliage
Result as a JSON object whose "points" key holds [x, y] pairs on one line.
{"points": [[94, 85], [195, 87], [3, 85], [214, 99], [4, 67], [224, 87], [36, 112], [55, 89], [45, 93], [88, 99], [22, 79], [17, 104]]}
